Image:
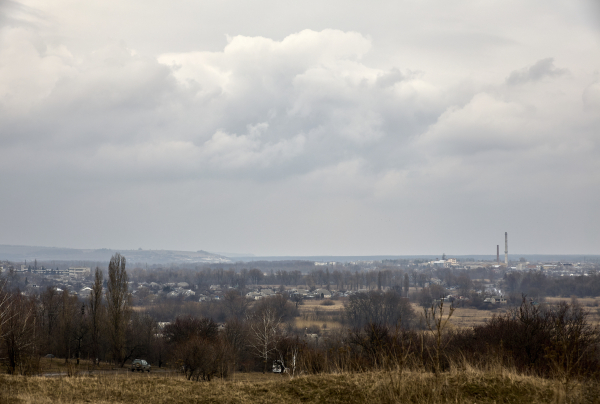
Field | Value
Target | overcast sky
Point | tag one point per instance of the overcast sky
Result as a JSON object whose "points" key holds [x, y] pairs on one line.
{"points": [[301, 127]]}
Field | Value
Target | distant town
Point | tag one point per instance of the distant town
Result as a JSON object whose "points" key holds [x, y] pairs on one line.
{"points": [[457, 278]]}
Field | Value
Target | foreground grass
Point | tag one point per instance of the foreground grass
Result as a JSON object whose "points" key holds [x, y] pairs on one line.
{"points": [[466, 386]]}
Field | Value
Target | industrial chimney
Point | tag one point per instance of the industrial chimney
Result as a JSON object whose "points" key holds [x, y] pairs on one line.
{"points": [[498, 253], [506, 248]]}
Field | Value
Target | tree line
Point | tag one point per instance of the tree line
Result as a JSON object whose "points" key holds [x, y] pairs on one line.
{"points": [[58, 323], [380, 329]]}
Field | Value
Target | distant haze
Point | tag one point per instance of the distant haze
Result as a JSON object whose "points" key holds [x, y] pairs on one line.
{"points": [[29, 254], [306, 128], [193, 258]]}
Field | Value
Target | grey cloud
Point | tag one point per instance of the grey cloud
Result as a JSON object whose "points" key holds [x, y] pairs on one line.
{"points": [[390, 78], [591, 97], [290, 140], [541, 69]]}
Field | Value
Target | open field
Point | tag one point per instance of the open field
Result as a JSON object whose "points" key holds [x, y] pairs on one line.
{"points": [[464, 386], [591, 304], [312, 304], [313, 313], [469, 317]]}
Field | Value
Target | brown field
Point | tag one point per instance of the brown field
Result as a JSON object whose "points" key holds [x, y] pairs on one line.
{"points": [[464, 385], [329, 325], [311, 304], [584, 301], [469, 317], [591, 304], [314, 313]]}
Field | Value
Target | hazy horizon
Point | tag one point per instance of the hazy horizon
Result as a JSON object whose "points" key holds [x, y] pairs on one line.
{"points": [[161, 256]]}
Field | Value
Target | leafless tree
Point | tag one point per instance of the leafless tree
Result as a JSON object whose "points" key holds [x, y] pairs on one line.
{"points": [[117, 298], [573, 339], [48, 311], [96, 310], [235, 335], [264, 330], [140, 334], [204, 359], [436, 321], [81, 330], [236, 305], [4, 307], [68, 309], [18, 339]]}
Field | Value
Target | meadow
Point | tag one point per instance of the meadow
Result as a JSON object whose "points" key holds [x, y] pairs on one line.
{"points": [[459, 385], [315, 314]]}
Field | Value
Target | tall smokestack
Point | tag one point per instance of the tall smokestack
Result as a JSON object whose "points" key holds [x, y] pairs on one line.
{"points": [[506, 248], [498, 253]]}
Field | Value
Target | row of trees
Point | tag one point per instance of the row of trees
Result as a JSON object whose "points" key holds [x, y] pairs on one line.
{"points": [[538, 284], [348, 277], [58, 323]]}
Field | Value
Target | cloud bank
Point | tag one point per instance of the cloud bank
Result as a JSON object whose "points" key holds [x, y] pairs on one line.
{"points": [[298, 145]]}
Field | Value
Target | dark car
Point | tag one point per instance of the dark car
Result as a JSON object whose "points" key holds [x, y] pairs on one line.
{"points": [[141, 365]]}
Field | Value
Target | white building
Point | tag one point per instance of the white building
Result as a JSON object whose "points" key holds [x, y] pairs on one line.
{"points": [[79, 272]]}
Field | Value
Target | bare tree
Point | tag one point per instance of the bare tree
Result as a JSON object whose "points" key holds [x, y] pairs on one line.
{"points": [[256, 275], [387, 308], [139, 336], [572, 340], [264, 332], [96, 310], [436, 321], [236, 305], [4, 307], [117, 299], [81, 330], [67, 311], [235, 335], [49, 320], [18, 340]]}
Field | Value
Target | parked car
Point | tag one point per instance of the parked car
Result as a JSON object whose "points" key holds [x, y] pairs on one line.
{"points": [[278, 367], [141, 365]]}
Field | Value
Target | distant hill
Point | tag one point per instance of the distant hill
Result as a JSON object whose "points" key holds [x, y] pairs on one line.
{"points": [[29, 253]]}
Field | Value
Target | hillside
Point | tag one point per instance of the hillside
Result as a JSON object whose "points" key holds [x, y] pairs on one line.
{"points": [[464, 386], [29, 253]]}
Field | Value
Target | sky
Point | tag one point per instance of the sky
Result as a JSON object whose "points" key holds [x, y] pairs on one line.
{"points": [[301, 127]]}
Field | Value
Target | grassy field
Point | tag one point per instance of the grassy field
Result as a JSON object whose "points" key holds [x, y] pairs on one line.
{"points": [[460, 386], [58, 365], [469, 317], [462, 317], [314, 313]]}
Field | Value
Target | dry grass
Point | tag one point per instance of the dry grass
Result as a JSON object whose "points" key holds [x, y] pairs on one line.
{"points": [[469, 317], [58, 365], [584, 301], [329, 325], [464, 386], [314, 313], [311, 304], [465, 317]]}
